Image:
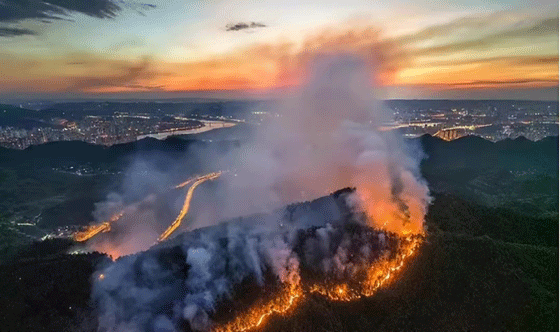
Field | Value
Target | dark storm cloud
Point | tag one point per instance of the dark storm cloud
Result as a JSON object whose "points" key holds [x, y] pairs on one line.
{"points": [[244, 26], [15, 11], [12, 32]]}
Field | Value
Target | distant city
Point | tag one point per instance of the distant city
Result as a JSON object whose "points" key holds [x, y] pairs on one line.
{"points": [[492, 120], [107, 123]]}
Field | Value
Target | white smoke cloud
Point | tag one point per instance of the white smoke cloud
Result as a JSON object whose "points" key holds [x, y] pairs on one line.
{"points": [[186, 279], [325, 139]]}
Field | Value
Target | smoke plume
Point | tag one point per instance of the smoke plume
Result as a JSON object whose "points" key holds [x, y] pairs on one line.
{"points": [[189, 278], [324, 138]]}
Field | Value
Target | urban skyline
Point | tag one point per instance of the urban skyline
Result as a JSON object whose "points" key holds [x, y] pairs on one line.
{"points": [[109, 123]]}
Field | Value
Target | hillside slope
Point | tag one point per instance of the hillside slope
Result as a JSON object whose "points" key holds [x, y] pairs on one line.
{"points": [[456, 282]]}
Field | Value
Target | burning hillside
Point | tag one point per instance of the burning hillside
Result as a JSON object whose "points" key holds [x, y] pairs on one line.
{"points": [[233, 276], [365, 280]]}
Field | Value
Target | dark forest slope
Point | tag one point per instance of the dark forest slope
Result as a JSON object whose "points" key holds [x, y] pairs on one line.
{"points": [[455, 283]]}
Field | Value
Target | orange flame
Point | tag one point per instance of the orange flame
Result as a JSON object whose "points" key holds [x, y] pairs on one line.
{"points": [[183, 184], [186, 205], [93, 230], [378, 275], [254, 318]]}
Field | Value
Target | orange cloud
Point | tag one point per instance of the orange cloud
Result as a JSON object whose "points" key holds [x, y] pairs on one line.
{"points": [[266, 66], [491, 73], [463, 54], [451, 64]]}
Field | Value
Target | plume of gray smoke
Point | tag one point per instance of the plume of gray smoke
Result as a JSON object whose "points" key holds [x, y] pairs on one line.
{"points": [[185, 279], [326, 138], [147, 200]]}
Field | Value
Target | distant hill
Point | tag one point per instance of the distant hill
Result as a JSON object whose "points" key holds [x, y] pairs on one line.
{"points": [[65, 153], [516, 174], [476, 152], [466, 152], [11, 116], [45, 180]]}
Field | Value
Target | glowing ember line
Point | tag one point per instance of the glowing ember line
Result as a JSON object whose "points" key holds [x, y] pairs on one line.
{"points": [[378, 275], [280, 305], [105, 226], [183, 184], [93, 230], [186, 204]]}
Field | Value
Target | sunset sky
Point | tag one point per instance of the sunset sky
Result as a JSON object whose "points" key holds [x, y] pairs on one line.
{"points": [[179, 48]]}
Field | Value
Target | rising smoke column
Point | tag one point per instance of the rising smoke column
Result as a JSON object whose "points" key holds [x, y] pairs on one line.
{"points": [[326, 138]]}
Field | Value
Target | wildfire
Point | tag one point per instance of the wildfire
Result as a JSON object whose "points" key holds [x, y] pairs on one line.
{"points": [[254, 318], [186, 205], [184, 184], [378, 275], [105, 226], [340, 292], [93, 230]]}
